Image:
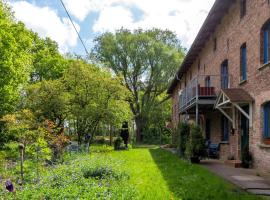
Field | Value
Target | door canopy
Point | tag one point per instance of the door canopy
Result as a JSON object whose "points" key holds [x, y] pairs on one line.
{"points": [[230, 100]]}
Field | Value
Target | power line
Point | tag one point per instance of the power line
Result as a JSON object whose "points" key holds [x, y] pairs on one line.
{"points": [[74, 27]]}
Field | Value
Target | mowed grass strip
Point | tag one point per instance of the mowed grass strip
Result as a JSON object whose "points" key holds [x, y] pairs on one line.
{"points": [[158, 174]]}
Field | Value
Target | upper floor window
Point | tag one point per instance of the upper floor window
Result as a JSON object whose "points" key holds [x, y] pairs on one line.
{"points": [[266, 42], [243, 62], [243, 8], [266, 120], [215, 44], [207, 81], [224, 75]]}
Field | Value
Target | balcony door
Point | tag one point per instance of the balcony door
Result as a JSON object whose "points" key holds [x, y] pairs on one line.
{"points": [[225, 75]]}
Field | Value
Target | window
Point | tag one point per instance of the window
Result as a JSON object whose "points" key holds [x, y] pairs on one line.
{"points": [[243, 62], [243, 8], [225, 75], [215, 44], [225, 129], [266, 120], [265, 38], [207, 81]]}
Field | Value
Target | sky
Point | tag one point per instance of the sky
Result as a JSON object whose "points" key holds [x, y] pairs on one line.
{"points": [[94, 17]]}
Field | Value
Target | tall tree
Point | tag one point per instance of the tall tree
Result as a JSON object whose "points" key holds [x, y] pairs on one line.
{"points": [[48, 63], [95, 97], [146, 59], [15, 60]]}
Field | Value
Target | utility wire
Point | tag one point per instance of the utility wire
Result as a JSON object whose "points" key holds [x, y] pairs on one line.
{"points": [[74, 27]]}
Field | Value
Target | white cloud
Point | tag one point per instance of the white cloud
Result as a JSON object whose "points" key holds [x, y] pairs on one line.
{"points": [[81, 8], [112, 18], [185, 17], [46, 23]]}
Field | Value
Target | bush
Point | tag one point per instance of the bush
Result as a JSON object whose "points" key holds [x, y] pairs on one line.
{"points": [[99, 140], [86, 177], [157, 135], [102, 172], [118, 142], [195, 148], [183, 132]]}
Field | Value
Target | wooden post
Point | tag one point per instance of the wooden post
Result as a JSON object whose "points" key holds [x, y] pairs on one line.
{"points": [[21, 150], [110, 135]]}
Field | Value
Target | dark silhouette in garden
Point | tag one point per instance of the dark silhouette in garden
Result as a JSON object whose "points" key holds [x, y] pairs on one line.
{"points": [[124, 133]]}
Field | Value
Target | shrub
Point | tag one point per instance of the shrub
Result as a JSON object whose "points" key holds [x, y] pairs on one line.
{"points": [[195, 148], [102, 172], [183, 135], [100, 140], [118, 142]]}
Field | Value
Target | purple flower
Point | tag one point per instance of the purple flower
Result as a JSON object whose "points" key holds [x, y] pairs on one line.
{"points": [[9, 186]]}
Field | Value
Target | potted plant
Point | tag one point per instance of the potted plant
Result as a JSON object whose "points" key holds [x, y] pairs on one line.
{"points": [[195, 149]]}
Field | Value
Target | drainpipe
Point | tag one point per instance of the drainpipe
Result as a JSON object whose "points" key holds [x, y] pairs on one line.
{"points": [[197, 105]]}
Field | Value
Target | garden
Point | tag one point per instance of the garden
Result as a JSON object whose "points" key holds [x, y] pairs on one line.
{"points": [[143, 172]]}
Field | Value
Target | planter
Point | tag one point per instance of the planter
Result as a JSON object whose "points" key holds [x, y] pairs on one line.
{"points": [[195, 160], [266, 141]]}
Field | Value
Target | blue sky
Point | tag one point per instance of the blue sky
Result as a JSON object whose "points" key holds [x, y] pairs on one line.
{"points": [[93, 17]]}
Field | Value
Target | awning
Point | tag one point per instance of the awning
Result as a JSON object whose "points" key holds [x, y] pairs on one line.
{"points": [[233, 99]]}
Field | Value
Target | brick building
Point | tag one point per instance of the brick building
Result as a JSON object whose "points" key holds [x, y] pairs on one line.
{"points": [[224, 81]]}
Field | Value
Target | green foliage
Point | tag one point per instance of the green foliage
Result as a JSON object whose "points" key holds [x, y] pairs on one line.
{"points": [[157, 135], [22, 128], [95, 97], [103, 172], [140, 173], [196, 144], [82, 178], [48, 63], [15, 60], [118, 143], [183, 133], [49, 101]]}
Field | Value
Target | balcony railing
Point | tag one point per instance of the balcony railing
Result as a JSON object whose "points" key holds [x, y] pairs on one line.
{"points": [[202, 87]]}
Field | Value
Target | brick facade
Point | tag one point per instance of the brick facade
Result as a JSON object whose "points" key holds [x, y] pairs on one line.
{"points": [[230, 34]]}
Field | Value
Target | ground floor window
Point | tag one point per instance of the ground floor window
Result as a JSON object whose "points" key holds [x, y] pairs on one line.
{"points": [[224, 129], [266, 121]]}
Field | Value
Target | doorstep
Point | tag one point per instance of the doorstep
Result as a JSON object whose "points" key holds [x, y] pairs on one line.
{"points": [[233, 163]]}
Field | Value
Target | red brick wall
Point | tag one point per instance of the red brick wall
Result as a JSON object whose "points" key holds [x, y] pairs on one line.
{"points": [[231, 33]]}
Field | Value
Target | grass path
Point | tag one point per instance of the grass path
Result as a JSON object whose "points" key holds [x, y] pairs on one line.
{"points": [[158, 174]]}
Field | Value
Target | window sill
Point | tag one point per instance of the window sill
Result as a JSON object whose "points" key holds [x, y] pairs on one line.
{"points": [[224, 142], [242, 82], [264, 66], [264, 146]]}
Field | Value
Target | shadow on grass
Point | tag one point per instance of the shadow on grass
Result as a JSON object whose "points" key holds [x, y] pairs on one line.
{"points": [[186, 181], [169, 167]]}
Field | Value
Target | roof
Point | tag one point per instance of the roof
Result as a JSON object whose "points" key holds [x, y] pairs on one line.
{"points": [[218, 11], [237, 95]]}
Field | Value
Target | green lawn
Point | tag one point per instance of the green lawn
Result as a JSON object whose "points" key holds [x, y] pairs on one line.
{"points": [[140, 173], [158, 174]]}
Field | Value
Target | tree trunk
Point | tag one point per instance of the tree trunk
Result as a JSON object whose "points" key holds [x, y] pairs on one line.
{"points": [[138, 122]]}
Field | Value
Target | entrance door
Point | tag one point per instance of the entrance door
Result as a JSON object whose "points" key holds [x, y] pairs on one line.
{"points": [[244, 130], [224, 75]]}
